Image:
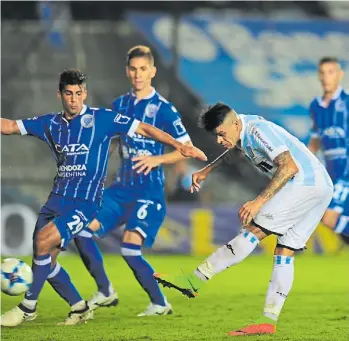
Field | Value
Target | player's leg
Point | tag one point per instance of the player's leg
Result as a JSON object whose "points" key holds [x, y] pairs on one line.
{"points": [[224, 257], [62, 284], [279, 286], [58, 277], [41, 269], [336, 216], [306, 205], [93, 260], [131, 250], [69, 226], [141, 229], [107, 218]]}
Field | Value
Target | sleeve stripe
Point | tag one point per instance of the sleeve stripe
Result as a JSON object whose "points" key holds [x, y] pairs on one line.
{"points": [[184, 138], [133, 128], [21, 127]]}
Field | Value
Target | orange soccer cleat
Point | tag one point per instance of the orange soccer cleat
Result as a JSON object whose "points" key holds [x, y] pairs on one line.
{"points": [[258, 328]]}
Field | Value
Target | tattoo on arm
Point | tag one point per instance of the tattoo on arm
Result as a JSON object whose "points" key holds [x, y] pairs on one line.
{"points": [[285, 171]]}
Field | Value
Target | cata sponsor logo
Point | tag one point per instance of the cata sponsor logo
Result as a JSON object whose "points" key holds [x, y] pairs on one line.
{"points": [[72, 149]]}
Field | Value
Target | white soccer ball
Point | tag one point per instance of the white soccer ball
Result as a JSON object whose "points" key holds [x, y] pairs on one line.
{"points": [[16, 276]]}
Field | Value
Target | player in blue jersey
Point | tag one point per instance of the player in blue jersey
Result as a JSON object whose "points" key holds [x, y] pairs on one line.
{"points": [[137, 196], [330, 132], [290, 207], [79, 138]]}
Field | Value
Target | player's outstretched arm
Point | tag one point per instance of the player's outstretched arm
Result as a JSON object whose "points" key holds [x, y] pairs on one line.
{"points": [[9, 127], [145, 163], [202, 174], [148, 130], [286, 169]]}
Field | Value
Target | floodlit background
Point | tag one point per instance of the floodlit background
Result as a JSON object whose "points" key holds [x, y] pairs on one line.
{"points": [[258, 57]]}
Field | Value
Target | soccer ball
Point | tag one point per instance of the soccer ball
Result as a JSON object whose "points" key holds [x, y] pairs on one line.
{"points": [[16, 277]]}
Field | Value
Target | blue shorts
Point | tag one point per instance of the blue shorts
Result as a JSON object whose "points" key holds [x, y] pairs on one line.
{"points": [[141, 210], [69, 214], [340, 200]]}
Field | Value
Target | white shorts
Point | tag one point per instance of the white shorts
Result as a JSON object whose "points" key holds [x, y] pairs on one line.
{"points": [[295, 211]]}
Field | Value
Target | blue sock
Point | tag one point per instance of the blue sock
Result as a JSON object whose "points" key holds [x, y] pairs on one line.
{"points": [[93, 260], [143, 272], [62, 284], [41, 268]]}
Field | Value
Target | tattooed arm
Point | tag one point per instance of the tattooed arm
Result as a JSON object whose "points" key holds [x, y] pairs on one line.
{"points": [[286, 169]]}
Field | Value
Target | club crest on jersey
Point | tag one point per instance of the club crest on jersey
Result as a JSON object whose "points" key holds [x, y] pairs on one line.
{"points": [[151, 110], [87, 121], [339, 105]]}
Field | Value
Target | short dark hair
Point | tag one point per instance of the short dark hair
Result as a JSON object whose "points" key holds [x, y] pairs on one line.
{"points": [[71, 77], [328, 59], [214, 116], [139, 51]]}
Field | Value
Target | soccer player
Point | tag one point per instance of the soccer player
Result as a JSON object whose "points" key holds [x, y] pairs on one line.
{"points": [[290, 207], [79, 138], [330, 132], [137, 197]]}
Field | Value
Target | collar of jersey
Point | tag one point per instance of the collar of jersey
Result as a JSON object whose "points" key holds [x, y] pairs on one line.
{"points": [[151, 95], [243, 129], [335, 96], [83, 110]]}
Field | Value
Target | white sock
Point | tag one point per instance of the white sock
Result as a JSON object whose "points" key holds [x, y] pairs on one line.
{"points": [[78, 306], [227, 255], [279, 286], [30, 304]]}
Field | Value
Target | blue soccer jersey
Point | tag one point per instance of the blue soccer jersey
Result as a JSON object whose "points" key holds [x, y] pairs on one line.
{"points": [[80, 147], [330, 125], [160, 113], [262, 141]]}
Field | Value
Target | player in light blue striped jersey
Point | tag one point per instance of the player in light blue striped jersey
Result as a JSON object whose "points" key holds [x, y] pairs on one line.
{"points": [[330, 132], [290, 207]]}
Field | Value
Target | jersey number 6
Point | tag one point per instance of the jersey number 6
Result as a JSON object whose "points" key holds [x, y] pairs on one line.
{"points": [[142, 212]]}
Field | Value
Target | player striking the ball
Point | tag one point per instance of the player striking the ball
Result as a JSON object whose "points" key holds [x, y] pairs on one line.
{"points": [[290, 207]]}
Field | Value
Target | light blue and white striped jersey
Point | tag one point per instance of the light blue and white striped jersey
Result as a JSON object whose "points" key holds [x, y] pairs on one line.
{"points": [[262, 141], [331, 126], [80, 147], [154, 110]]}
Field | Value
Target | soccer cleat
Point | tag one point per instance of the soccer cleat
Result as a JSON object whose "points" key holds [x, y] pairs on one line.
{"points": [[155, 309], [254, 329], [76, 317], [16, 316], [185, 285], [99, 300]]}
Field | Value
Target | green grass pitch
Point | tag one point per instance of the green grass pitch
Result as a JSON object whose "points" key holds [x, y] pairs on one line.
{"points": [[316, 309]]}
